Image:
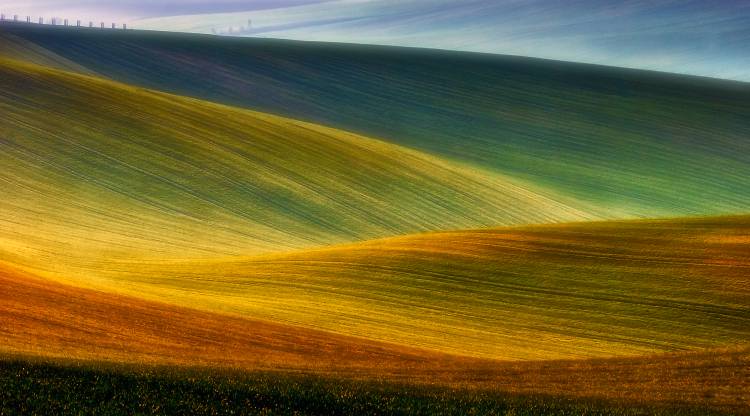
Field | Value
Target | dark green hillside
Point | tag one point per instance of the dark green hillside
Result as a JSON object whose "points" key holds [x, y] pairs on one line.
{"points": [[634, 143], [42, 388]]}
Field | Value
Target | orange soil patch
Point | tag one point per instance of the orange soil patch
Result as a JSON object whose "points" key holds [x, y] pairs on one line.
{"points": [[729, 239], [48, 319], [717, 379]]}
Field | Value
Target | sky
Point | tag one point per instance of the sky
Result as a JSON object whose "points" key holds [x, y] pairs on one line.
{"points": [[699, 37], [128, 10]]}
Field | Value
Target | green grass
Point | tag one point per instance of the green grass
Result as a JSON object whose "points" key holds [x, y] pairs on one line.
{"points": [[631, 143], [94, 171], [37, 388]]}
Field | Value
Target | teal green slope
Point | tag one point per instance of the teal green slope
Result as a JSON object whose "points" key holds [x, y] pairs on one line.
{"points": [[633, 143], [94, 169]]}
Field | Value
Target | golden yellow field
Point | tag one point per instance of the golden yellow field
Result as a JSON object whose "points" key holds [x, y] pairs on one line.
{"points": [[544, 292], [150, 230], [46, 320]]}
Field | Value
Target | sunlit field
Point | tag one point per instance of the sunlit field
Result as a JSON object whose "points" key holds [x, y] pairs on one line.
{"points": [[195, 224]]}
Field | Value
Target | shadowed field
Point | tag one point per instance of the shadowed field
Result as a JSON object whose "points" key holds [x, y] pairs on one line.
{"points": [[698, 385], [14, 47], [631, 143]]}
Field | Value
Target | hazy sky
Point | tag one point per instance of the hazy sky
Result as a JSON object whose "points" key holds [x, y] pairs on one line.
{"points": [[126, 10], [701, 37]]}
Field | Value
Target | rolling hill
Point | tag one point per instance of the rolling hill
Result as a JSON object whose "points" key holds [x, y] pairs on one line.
{"points": [[44, 319], [96, 170], [631, 143], [175, 199], [530, 293], [689, 37], [186, 213], [576, 290]]}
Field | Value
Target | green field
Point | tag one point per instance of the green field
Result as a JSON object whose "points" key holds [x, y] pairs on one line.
{"points": [[633, 143], [34, 388], [197, 224], [138, 174]]}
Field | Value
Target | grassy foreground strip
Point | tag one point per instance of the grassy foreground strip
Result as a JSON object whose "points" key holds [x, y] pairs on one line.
{"points": [[38, 387], [540, 292]]}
